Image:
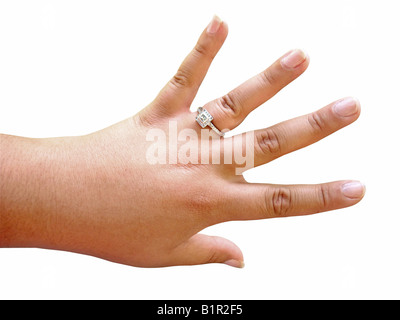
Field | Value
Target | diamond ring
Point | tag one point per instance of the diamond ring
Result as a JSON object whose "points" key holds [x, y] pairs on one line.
{"points": [[204, 119]]}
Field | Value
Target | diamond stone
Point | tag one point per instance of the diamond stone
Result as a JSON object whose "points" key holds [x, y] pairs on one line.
{"points": [[204, 118]]}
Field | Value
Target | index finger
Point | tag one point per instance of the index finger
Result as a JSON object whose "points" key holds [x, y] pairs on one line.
{"points": [[260, 201]]}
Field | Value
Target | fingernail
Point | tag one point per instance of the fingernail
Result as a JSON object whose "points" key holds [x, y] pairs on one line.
{"points": [[353, 190], [346, 107], [235, 263], [293, 59], [214, 25]]}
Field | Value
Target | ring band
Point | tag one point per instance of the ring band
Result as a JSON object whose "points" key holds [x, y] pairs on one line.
{"points": [[204, 119]]}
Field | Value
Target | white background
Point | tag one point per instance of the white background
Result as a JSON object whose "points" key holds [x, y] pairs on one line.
{"points": [[73, 67]]}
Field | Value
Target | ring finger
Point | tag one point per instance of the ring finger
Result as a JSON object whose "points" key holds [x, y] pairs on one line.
{"points": [[231, 109]]}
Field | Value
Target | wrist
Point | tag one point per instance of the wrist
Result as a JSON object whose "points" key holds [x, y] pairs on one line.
{"points": [[29, 176]]}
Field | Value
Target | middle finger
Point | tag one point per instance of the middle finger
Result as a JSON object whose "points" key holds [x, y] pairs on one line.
{"points": [[285, 137]]}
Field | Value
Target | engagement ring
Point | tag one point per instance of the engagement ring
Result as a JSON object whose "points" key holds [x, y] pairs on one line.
{"points": [[204, 119]]}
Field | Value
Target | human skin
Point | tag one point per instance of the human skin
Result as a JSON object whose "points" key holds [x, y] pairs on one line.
{"points": [[98, 195]]}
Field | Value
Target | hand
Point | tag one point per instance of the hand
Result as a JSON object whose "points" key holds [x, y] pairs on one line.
{"points": [[100, 194]]}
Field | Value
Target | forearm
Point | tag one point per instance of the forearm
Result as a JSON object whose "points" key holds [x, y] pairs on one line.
{"points": [[24, 163], [28, 191], [58, 193]]}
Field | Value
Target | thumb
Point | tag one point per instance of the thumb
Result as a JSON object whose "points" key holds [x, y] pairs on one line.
{"points": [[201, 249]]}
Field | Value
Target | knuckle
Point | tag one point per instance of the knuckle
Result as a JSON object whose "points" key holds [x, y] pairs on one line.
{"points": [[142, 120], [181, 79], [279, 203], [316, 121], [323, 196], [230, 105], [200, 199], [268, 142], [200, 50], [213, 254], [268, 77], [199, 203]]}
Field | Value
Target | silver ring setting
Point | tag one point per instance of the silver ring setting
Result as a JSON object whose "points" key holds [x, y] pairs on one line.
{"points": [[204, 119]]}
